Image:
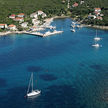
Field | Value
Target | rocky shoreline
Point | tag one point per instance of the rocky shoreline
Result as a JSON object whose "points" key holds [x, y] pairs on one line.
{"points": [[96, 26], [11, 32]]}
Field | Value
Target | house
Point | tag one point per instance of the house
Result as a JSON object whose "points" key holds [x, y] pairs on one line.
{"points": [[20, 19], [97, 10], [21, 15], [2, 26], [35, 21], [12, 16], [99, 18], [44, 15], [34, 15], [40, 12], [101, 15], [24, 25], [91, 16], [82, 2], [63, 1], [97, 13], [12, 27], [75, 5]]}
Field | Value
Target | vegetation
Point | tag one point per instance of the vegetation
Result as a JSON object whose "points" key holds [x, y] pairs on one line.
{"points": [[52, 8], [87, 7]]}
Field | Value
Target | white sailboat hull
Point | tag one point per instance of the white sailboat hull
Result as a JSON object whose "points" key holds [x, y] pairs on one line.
{"points": [[97, 38], [33, 93], [96, 45]]}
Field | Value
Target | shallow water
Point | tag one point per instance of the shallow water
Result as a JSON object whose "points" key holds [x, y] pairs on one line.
{"points": [[68, 70]]}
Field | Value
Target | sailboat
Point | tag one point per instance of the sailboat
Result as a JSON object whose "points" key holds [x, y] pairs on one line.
{"points": [[32, 92], [97, 38]]}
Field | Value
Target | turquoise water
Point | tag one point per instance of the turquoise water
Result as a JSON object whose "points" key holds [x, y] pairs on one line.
{"points": [[68, 70]]}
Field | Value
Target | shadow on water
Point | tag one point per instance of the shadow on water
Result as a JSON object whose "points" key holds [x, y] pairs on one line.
{"points": [[48, 77], [34, 68], [82, 64], [3, 82], [96, 66], [62, 96]]}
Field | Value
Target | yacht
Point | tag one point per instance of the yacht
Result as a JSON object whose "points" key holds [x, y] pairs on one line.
{"points": [[97, 38], [32, 92]]}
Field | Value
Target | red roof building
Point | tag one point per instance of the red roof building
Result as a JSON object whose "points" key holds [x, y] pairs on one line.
{"points": [[19, 19], [12, 16], [20, 15], [75, 4], [2, 26], [12, 27], [97, 9]]}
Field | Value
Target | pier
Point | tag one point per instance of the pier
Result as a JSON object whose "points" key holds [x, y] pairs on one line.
{"points": [[48, 33]]}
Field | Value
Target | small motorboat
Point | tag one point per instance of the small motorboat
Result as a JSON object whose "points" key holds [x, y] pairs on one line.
{"points": [[73, 30]]}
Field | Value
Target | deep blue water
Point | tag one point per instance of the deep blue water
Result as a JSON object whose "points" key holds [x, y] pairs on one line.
{"points": [[68, 70]]}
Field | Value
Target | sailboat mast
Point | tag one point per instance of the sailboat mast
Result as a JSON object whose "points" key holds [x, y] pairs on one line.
{"points": [[29, 84], [32, 81], [96, 32]]}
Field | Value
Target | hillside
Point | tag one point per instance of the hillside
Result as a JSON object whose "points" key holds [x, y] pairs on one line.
{"points": [[8, 7], [52, 7]]}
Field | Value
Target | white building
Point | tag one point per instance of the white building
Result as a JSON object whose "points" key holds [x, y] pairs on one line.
{"points": [[2, 26], [92, 16], [35, 21], [81, 2], [21, 15], [34, 15], [44, 15], [97, 9], [40, 12], [24, 25], [12, 27], [12, 16]]}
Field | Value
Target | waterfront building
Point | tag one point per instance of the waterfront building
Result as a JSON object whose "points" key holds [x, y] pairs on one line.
{"points": [[2, 26], [12, 27], [24, 25]]}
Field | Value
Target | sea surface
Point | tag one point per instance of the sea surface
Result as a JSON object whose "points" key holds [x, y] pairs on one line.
{"points": [[69, 72]]}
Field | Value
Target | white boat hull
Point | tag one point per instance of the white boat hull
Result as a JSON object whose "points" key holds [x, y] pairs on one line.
{"points": [[96, 45], [97, 38], [72, 30], [33, 93]]}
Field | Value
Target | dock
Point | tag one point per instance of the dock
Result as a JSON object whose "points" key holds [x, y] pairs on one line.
{"points": [[48, 33]]}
